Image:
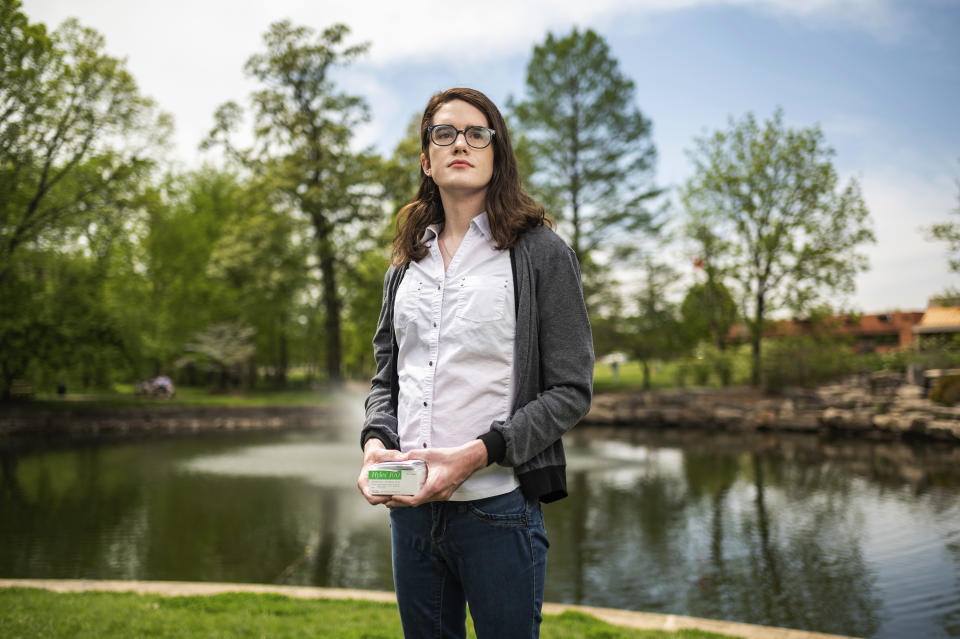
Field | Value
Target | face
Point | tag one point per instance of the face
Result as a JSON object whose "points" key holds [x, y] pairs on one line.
{"points": [[459, 169]]}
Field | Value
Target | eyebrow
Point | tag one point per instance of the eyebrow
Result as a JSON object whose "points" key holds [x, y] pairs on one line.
{"points": [[482, 126]]}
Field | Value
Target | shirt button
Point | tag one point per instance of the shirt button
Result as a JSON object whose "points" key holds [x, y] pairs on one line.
{"points": [[431, 363], [424, 444], [424, 403], [434, 324]]}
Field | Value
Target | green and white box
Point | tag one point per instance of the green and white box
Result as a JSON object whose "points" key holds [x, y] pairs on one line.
{"points": [[397, 478]]}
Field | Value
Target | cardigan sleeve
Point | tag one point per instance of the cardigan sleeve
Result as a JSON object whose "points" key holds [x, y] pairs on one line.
{"points": [[381, 412]]}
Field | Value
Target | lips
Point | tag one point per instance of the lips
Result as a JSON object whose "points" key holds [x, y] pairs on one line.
{"points": [[456, 163]]}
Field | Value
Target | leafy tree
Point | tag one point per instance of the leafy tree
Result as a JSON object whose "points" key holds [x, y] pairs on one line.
{"points": [[224, 247], [591, 146], [54, 326], [221, 349], [76, 135], [260, 265], [708, 311], [401, 171], [302, 130], [76, 143], [655, 333], [949, 232], [791, 232]]}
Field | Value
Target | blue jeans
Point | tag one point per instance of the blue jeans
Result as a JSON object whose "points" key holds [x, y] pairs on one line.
{"points": [[489, 553]]}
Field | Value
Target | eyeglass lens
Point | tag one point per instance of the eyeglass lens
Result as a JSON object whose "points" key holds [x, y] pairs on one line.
{"points": [[476, 136]]}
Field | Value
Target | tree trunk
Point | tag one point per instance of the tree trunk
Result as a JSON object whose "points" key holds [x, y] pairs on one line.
{"points": [[283, 363], [646, 374], [756, 331], [251, 373], [331, 306]]}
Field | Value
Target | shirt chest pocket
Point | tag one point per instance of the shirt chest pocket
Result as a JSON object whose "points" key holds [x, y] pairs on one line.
{"points": [[408, 302], [482, 298]]}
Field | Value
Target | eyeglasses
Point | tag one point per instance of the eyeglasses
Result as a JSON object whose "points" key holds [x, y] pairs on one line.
{"points": [[479, 137]]}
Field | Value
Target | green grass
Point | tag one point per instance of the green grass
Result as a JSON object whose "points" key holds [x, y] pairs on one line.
{"points": [[27, 612], [663, 375], [682, 372], [122, 395]]}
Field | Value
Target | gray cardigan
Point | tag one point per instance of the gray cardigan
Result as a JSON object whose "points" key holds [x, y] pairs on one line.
{"points": [[553, 366]]}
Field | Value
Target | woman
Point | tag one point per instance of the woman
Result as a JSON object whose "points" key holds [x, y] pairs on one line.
{"points": [[484, 359]]}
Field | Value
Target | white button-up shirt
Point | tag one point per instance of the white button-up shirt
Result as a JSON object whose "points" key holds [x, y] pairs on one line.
{"points": [[455, 330]]}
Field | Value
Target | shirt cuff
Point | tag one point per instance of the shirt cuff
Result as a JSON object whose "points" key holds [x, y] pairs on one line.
{"points": [[496, 446]]}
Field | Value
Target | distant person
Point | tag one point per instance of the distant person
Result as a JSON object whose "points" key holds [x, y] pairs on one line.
{"points": [[484, 359], [163, 385]]}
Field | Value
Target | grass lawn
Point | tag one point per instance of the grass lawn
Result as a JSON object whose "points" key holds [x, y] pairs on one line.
{"points": [[122, 395], [689, 371], [28, 612], [663, 375]]}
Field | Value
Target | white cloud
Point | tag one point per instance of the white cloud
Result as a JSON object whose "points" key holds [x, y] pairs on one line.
{"points": [[907, 269], [423, 30], [410, 31], [190, 55], [882, 18]]}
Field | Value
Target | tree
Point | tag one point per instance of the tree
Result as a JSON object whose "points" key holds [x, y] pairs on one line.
{"points": [[591, 146], [75, 133], [400, 173], [654, 333], [76, 143], [226, 248], [657, 332], [949, 232], [302, 130], [708, 311], [791, 232], [221, 349]]}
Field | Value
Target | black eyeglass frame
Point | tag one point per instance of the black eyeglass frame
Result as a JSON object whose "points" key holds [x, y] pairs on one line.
{"points": [[431, 128]]}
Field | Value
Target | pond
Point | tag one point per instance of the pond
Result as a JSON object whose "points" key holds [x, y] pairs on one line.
{"points": [[845, 537]]}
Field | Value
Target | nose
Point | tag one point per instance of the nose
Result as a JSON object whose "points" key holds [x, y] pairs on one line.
{"points": [[460, 142]]}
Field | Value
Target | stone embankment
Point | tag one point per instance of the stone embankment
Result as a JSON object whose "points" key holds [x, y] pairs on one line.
{"points": [[879, 406], [80, 423]]}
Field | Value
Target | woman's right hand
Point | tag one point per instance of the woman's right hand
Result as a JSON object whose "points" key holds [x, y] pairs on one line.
{"points": [[373, 452]]}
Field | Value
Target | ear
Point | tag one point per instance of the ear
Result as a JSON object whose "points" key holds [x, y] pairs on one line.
{"points": [[425, 163]]}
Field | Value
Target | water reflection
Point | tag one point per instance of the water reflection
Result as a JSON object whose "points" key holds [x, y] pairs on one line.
{"points": [[852, 538]]}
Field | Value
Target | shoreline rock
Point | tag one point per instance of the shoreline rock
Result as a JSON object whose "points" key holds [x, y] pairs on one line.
{"points": [[26, 423], [872, 406]]}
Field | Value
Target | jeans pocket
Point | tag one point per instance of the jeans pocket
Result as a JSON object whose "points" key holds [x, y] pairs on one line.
{"points": [[509, 509]]}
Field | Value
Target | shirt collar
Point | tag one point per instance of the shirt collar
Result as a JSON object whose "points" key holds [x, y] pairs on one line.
{"points": [[432, 231], [480, 221], [483, 225]]}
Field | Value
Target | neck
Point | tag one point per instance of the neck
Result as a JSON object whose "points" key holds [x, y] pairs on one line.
{"points": [[459, 210]]}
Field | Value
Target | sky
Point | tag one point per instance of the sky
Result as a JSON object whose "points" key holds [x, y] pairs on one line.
{"points": [[880, 77]]}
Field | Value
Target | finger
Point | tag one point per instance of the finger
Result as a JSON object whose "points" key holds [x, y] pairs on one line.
{"points": [[405, 500], [375, 500], [364, 487]]}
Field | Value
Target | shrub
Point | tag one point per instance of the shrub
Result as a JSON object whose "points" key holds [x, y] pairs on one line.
{"points": [[946, 390], [805, 361]]}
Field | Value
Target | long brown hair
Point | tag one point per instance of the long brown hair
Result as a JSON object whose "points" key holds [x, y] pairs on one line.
{"points": [[510, 210]]}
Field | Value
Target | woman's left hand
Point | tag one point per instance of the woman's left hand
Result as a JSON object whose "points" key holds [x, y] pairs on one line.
{"points": [[447, 468]]}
